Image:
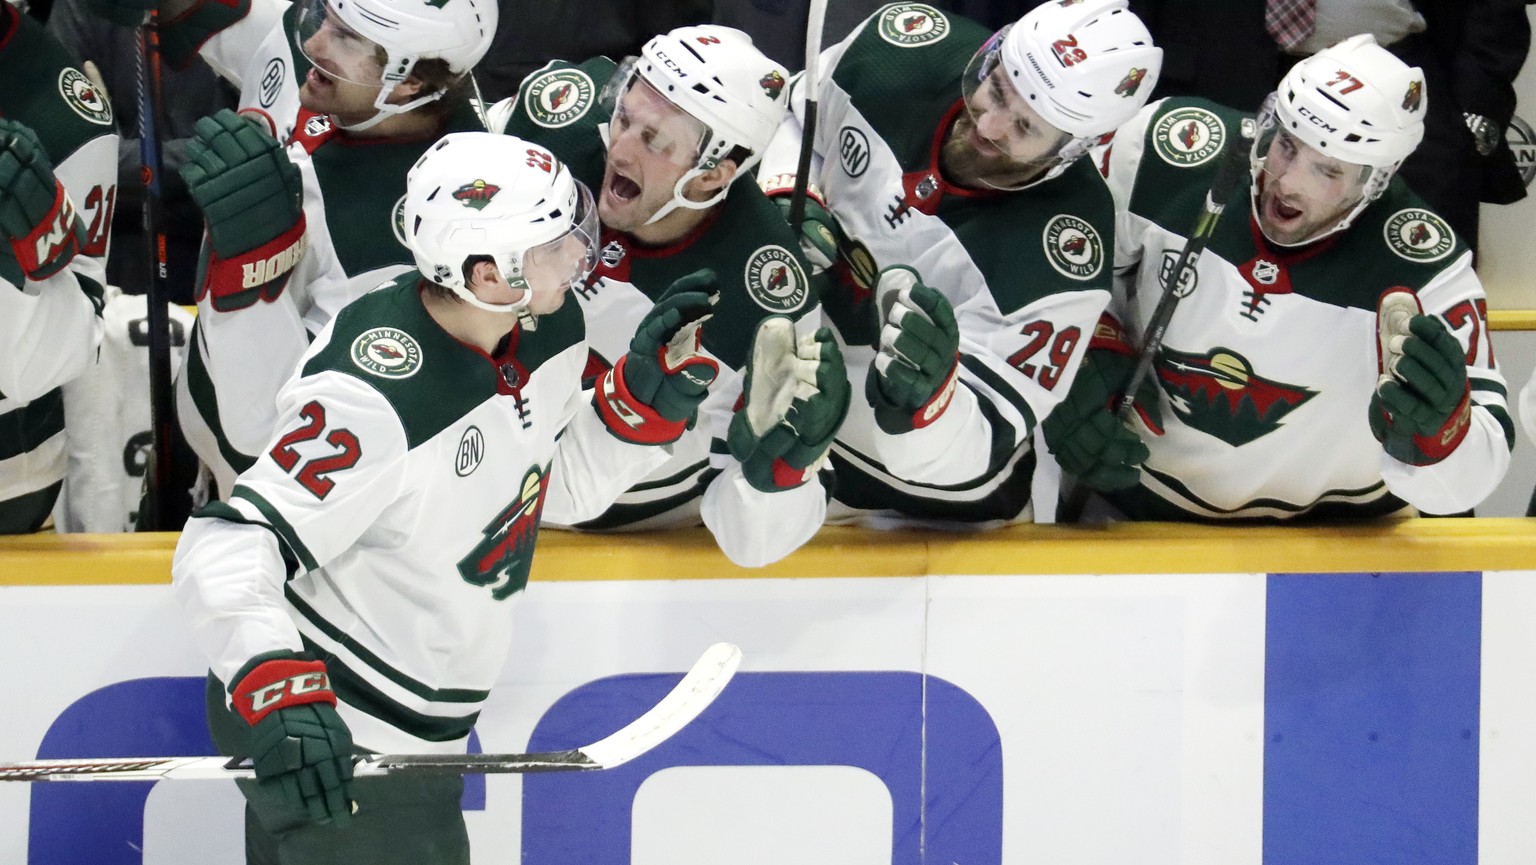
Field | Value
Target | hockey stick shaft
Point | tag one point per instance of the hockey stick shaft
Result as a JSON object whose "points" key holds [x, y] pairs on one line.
{"points": [[684, 703], [1228, 172], [158, 501], [810, 83]]}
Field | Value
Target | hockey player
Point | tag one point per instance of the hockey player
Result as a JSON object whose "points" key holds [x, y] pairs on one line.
{"points": [[350, 594], [668, 139], [1330, 356], [949, 163], [58, 182], [357, 90]]}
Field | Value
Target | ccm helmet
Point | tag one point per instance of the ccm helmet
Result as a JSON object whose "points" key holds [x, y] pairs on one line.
{"points": [[1355, 102], [1085, 66], [718, 77], [399, 34], [482, 194]]}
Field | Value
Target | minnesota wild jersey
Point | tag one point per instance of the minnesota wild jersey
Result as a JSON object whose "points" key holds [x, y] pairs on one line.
{"points": [[50, 328], [353, 190], [1267, 369], [761, 271], [1027, 271], [404, 486]]}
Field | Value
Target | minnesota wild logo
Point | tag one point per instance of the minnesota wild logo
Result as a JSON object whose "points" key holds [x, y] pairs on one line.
{"points": [[505, 553], [775, 280], [1073, 247], [83, 97], [1414, 97], [558, 97], [387, 352], [1131, 82], [772, 84], [1219, 394], [476, 194], [1419, 235], [1187, 137], [912, 24]]}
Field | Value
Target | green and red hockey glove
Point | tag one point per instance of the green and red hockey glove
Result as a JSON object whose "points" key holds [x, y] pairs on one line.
{"points": [[653, 393], [252, 198], [1085, 432], [300, 747], [795, 398], [1422, 407], [36, 215], [914, 376], [820, 234]]}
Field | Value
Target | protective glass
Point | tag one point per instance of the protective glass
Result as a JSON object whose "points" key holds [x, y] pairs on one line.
{"points": [[639, 112], [336, 49], [1000, 113], [567, 260], [1293, 168]]}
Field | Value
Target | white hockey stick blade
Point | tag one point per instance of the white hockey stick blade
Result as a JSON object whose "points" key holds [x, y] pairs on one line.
{"points": [[685, 702]]}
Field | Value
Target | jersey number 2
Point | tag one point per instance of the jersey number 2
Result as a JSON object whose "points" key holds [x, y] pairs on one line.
{"points": [[312, 475]]}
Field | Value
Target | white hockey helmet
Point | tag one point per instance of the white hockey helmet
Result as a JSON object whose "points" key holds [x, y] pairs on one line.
{"points": [[1355, 102], [482, 194], [718, 77], [1084, 66], [402, 33]]}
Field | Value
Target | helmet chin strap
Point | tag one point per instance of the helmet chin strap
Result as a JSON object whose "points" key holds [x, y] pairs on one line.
{"points": [[389, 109], [1375, 185], [680, 200]]}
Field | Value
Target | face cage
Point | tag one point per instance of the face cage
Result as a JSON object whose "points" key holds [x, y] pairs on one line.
{"points": [[978, 73], [1266, 131], [314, 15], [513, 265]]}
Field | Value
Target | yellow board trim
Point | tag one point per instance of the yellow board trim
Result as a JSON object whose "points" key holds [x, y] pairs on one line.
{"points": [[1512, 319], [1123, 548]]}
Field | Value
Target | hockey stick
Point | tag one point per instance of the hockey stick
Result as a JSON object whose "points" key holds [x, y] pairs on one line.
{"points": [[691, 696], [810, 81], [158, 507], [1231, 168]]}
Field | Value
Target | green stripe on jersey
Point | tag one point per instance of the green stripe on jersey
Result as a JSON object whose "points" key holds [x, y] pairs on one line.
{"points": [[24, 429], [355, 691], [377, 664], [200, 386], [1140, 503], [279, 525]]}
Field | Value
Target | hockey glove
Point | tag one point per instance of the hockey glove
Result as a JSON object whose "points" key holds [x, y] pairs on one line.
{"points": [[252, 199], [1085, 432], [653, 393], [795, 397], [913, 377], [1422, 407], [36, 215], [300, 747], [819, 232]]}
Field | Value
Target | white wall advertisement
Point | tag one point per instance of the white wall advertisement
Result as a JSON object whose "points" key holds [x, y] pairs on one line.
{"points": [[1228, 719]]}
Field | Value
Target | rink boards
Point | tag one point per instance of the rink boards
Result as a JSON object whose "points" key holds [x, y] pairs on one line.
{"points": [[1137, 694]]}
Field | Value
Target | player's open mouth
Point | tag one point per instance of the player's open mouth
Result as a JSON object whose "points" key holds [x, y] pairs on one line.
{"points": [[623, 189], [982, 145], [317, 78], [1282, 212]]}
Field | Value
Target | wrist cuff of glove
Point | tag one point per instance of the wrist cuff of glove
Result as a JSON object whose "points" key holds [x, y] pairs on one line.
{"points": [[1109, 335], [182, 36], [629, 418], [53, 243], [279, 684], [934, 408], [784, 184], [1439, 445], [260, 274]]}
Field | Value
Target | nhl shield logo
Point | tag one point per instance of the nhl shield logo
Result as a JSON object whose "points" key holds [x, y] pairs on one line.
{"points": [[387, 352], [316, 126], [558, 98], [1073, 247], [911, 24], [612, 254], [1418, 235], [775, 280], [83, 97], [1187, 137]]}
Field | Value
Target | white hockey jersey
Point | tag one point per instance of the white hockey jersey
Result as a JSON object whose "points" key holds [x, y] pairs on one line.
{"points": [[50, 328], [403, 494], [1267, 368], [353, 192], [1027, 272], [761, 272]]}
